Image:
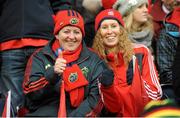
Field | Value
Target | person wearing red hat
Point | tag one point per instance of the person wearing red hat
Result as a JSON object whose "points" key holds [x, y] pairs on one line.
{"points": [[61, 78], [133, 80]]}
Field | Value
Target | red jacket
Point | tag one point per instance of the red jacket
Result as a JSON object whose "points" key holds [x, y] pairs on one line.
{"points": [[129, 100]]}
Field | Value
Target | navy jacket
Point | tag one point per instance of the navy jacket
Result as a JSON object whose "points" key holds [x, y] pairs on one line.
{"points": [[29, 18], [43, 98]]}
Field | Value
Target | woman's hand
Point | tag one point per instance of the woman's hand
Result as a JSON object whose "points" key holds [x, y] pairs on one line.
{"points": [[60, 64], [107, 77]]}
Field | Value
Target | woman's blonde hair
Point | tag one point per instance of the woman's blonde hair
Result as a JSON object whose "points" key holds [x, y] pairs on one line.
{"points": [[130, 25], [124, 46]]}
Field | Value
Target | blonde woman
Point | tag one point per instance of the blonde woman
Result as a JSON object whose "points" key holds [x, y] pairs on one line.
{"points": [[133, 81], [138, 21]]}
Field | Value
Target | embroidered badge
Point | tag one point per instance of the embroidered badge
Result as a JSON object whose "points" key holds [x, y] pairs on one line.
{"points": [[85, 71], [74, 21], [61, 23], [73, 77], [47, 66], [111, 13]]}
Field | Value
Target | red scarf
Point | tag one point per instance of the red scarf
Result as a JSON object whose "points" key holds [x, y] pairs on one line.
{"points": [[111, 58], [73, 80], [69, 56]]}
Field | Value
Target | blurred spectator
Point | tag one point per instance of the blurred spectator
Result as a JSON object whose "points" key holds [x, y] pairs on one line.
{"points": [[175, 69], [162, 109], [88, 9], [25, 25], [138, 22], [159, 10], [166, 50]]}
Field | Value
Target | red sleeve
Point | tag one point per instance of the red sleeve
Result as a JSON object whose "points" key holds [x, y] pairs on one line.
{"points": [[150, 75], [111, 98], [37, 81]]}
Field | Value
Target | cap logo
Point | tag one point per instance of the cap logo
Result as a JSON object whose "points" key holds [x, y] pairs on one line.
{"points": [[74, 21], [61, 23], [111, 13]]}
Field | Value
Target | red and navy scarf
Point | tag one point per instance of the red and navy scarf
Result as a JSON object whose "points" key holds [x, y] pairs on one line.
{"points": [[73, 79]]}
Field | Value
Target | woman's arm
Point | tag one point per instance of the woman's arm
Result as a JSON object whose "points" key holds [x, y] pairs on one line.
{"points": [[40, 78], [150, 76]]}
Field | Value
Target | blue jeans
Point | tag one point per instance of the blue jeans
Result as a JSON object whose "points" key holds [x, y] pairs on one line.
{"points": [[13, 63]]}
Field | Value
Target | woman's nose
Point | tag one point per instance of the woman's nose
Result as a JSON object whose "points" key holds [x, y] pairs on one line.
{"points": [[71, 35], [145, 8], [109, 30]]}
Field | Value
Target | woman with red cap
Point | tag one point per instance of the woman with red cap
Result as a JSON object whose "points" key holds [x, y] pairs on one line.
{"points": [[134, 81], [61, 78], [138, 22]]}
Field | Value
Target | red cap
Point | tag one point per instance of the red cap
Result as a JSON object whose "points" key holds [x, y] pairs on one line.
{"points": [[107, 4], [108, 14], [68, 17]]}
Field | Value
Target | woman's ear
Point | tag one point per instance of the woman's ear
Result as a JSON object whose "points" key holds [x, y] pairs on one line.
{"points": [[121, 30], [57, 36]]}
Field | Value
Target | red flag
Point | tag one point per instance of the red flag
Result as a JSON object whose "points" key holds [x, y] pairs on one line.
{"points": [[62, 106]]}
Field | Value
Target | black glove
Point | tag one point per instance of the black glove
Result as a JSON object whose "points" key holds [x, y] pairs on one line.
{"points": [[107, 77]]}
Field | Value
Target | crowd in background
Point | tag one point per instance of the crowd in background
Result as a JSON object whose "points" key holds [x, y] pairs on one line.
{"points": [[90, 58]]}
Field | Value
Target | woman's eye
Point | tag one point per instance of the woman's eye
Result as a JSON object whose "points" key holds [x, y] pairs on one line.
{"points": [[104, 27], [140, 6], [143, 5], [113, 26], [76, 32], [66, 31]]}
